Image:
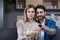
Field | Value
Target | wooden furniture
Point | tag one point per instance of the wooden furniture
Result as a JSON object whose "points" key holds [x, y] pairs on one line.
{"points": [[52, 4], [20, 4], [49, 4]]}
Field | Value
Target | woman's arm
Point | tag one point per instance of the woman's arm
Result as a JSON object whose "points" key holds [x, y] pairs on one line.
{"points": [[19, 29]]}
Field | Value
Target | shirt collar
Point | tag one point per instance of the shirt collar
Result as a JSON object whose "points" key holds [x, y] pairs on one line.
{"points": [[43, 22]]}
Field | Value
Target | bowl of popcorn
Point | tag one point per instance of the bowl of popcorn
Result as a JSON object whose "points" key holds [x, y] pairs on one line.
{"points": [[31, 33]]}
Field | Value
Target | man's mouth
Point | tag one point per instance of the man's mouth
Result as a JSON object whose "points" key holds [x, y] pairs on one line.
{"points": [[39, 16]]}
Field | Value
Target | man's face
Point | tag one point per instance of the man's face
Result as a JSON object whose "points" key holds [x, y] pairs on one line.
{"points": [[40, 13]]}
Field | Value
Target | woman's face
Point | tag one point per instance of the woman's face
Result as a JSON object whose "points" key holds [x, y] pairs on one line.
{"points": [[30, 13]]}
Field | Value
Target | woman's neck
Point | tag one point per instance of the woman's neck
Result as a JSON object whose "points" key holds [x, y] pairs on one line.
{"points": [[31, 20]]}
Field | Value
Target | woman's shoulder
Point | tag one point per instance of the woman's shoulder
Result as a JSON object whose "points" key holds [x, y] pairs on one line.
{"points": [[36, 23], [19, 22]]}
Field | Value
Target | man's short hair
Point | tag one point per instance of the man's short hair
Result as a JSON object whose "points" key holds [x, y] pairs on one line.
{"points": [[41, 7]]}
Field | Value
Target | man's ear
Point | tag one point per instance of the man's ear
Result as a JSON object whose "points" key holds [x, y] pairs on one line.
{"points": [[45, 12]]}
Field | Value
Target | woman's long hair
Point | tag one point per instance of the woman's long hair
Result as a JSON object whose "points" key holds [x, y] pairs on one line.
{"points": [[25, 12]]}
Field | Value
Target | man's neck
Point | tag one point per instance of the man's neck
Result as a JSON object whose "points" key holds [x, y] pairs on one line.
{"points": [[42, 21]]}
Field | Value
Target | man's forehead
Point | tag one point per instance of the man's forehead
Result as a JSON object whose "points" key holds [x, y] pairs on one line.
{"points": [[39, 9]]}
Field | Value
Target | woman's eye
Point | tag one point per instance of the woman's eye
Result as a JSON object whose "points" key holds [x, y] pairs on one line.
{"points": [[28, 11], [32, 11]]}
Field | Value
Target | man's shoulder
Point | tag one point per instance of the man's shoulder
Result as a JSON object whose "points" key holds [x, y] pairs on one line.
{"points": [[48, 20]]}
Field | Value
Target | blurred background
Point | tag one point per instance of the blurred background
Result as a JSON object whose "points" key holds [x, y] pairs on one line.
{"points": [[11, 10]]}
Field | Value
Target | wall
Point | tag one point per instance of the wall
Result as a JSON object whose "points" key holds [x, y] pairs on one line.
{"points": [[1, 14], [11, 17]]}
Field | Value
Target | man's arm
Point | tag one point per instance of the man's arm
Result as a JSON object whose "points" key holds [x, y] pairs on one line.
{"points": [[51, 30]]}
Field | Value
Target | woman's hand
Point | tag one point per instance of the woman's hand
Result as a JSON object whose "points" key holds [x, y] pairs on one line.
{"points": [[31, 33], [36, 29]]}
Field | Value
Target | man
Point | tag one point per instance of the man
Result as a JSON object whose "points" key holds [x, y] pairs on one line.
{"points": [[48, 27]]}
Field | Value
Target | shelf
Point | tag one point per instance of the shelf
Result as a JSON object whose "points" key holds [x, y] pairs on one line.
{"points": [[20, 4], [20, 8], [52, 9], [52, 5]]}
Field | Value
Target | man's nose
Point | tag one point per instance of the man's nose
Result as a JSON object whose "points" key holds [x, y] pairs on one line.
{"points": [[39, 14]]}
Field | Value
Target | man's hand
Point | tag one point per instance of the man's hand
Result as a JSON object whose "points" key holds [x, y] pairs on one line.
{"points": [[43, 27], [47, 29]]}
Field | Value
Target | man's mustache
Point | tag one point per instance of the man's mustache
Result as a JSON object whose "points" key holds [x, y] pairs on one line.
{"points": [[40, 16]]}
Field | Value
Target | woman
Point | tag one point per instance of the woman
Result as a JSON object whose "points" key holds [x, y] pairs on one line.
{"points": [[27, 27]]}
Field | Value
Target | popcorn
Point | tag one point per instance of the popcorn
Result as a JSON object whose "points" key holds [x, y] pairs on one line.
{"points": [[31, 33]]}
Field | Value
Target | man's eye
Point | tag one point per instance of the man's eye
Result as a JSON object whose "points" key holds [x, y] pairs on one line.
{"points": [[41, 12], [37, 12]]}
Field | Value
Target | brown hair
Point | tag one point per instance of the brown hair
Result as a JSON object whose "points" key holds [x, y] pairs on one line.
{"points": [[40, 7], [25, 12]]}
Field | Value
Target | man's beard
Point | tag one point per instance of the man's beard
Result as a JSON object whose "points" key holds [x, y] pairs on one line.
{"points": [[41, 18]]}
